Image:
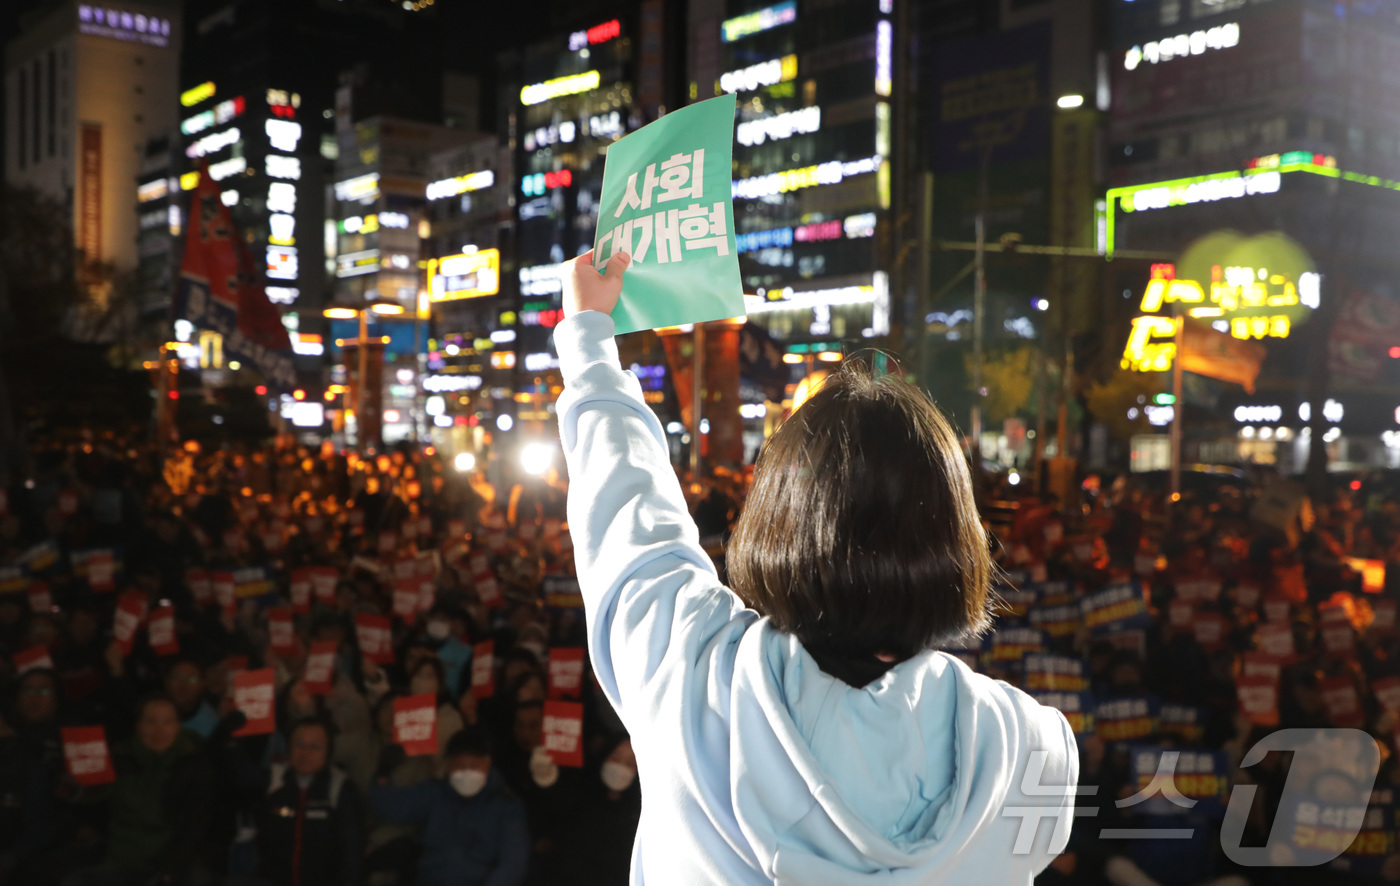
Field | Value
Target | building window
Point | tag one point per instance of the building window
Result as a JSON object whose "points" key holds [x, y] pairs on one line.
{"points": [[53, 104], [23, 139]]}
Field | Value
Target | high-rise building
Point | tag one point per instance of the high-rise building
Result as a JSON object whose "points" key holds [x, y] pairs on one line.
{"points": [[468, 253], [87, 87], [259, 104], [1272, 116], [811, 162]]}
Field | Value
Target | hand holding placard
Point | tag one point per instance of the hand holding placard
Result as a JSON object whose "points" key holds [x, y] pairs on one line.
{"points": [[587, 290]]}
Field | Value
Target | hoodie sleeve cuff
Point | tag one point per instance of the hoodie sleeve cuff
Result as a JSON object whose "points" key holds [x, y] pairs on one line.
{"points": [[584, 339]]}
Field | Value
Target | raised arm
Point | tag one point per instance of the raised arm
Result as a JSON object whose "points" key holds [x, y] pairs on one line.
{"points": [[651, 595]]}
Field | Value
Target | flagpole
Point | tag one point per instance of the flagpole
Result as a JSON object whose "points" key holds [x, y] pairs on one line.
{"points": [[1178, 407]]}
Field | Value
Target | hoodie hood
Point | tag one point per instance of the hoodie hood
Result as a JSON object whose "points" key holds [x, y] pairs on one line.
{"points": [[905, 777]]}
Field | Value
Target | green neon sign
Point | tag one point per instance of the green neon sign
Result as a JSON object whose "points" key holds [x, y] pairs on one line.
{"points": [[1263, 177]]}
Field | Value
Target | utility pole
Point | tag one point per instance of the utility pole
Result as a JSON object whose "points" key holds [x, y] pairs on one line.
{"points": [[697, 400]]}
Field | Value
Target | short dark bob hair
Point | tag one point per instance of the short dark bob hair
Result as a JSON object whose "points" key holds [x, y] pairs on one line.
{"points": [[860, 536]]}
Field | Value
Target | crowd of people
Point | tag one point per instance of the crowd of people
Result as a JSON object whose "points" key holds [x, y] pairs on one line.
{"points": [[294, 666]]}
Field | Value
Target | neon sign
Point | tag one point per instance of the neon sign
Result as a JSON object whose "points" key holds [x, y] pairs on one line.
{"points": [[595, 35], [451, 187], [468, 275], [225, 168], [559, 87], [213, 143], [779, 126], [119, 25], [1251, 303], [196, 94], [153, 190], [282, 262], [769, 73], [884, 57], [742, 26], [282, 134], [796, 179], [545, 136], [537, 184], [361, 187], [280, 166], [541, 280], [1182, 45]]}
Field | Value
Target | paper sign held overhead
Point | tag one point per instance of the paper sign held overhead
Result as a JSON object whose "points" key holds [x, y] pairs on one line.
{"points": [[666, 202], [253, 694], [85, 753], [415, 724]]}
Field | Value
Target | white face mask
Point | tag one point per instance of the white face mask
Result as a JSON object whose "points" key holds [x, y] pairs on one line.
{"points": [[439, 630], [535, 649], [467, 782], [618, 777]]}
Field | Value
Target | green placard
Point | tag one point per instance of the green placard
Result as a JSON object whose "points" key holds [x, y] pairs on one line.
{"points": [[666, 202]]}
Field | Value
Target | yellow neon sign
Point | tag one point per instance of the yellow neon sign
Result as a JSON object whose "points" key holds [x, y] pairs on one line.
{"points": [[469, 275], [1242, 299], [195, 95], [560, 86]]}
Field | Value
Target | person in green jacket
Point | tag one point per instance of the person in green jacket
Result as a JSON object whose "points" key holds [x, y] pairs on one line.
{"points": [[158, 809]]}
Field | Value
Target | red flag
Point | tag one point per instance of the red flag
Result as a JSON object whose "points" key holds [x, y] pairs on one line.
{"points": [[563, 732], [565, 673], [160, 631], [484, 669], [254, 695], [85, 753], [219, 288], [376, 641], [415, 724], [319, 673]]}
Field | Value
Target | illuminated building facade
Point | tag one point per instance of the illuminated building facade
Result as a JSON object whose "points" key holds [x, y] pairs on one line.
{"points": [[811, 161], [379, 196], [259, 103], [84, 84], [159, 224], [1268, 116], [468, 254], [572, 96]]}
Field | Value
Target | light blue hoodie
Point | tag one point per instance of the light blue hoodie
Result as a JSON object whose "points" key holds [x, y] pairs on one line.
{"points": [[756, 766]]}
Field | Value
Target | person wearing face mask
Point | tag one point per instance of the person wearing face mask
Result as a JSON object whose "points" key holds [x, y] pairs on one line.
{"points": [[451, 651], [472, 825], [595, 849]]}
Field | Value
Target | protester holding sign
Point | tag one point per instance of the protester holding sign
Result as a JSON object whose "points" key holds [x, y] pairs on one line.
{"points": [[473, 826], [863, 494]]}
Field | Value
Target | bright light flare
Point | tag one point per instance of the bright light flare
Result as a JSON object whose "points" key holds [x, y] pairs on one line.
{"points": [[536, 458], [464, 461]]}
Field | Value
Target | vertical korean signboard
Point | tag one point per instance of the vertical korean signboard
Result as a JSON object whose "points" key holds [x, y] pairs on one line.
{"points": [[90, 192], [666, 202]]}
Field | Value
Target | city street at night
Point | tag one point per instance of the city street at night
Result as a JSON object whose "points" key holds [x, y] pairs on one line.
{"points": [[724, 442]]}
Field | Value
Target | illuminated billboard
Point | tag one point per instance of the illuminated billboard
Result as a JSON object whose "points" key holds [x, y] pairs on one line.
{"points": [[559, 87], [760, 20], [468, 275]]}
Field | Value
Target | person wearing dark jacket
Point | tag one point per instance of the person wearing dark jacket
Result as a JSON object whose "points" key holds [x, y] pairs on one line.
{"points": [[473, 826], [595, 848], [310, 820], [159, 808]]}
